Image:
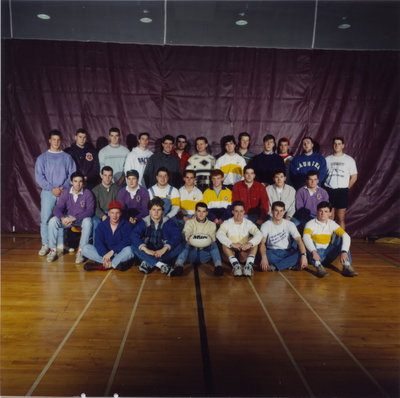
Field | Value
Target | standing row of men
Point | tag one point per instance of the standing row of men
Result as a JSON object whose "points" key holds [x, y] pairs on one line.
{"points": [[231, 164]]}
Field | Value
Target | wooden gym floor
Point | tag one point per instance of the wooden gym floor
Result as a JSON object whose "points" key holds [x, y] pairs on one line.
{"points": [[66, 331]]}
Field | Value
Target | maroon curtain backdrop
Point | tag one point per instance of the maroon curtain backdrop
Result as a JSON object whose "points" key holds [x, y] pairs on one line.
{"points": [[202, 91]]}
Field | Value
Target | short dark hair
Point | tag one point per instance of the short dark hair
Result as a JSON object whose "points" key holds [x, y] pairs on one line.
{"points": [[181, 136], [81, 131], [54, 132], [243, 134], [238, 203], [312, 173], [217, 172], [156, 201], [269, 137], [76, 174], [144, 133], [167, 137], [307, 138], [114, 130], [162, 168], [201, 138], [321, 205], [228, 138], [247, 167], [189, 171], [201, 204], [337, 138], [279, 171], [107, 168], [278, 203]]}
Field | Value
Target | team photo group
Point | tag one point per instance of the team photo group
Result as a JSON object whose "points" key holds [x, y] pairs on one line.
{"points": [[266, 212]]}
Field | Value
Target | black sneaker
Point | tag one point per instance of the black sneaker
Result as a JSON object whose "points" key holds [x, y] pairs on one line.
{"points": [[177, 271], [144, 267], [124, 266], [321, 271], [218, 271], [90, 266]]}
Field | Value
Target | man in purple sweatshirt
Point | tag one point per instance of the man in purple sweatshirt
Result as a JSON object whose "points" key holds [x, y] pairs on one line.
{"points": [[74, 209], [53, 170]]}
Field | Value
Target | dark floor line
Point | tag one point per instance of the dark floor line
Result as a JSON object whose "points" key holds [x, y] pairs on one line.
{"points": [[207, 373], [17, 245], [377, 256]]}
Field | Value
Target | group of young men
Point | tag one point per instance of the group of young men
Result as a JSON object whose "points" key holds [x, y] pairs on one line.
{"points": [[170, 208]]}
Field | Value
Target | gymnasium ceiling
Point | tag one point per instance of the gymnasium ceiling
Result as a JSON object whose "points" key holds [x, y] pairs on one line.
{"points": [[297, 24]]}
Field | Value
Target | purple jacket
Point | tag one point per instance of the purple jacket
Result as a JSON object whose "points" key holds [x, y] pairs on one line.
{"points": [[84, 206], [306, 205], [136, 207]]}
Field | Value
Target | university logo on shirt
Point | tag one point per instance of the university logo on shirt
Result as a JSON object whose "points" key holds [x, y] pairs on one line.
{"points": [[89, 157], [82, 203]]}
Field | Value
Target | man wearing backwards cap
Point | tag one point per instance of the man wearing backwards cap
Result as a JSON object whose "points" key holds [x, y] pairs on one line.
{"points": [[112, 245]]}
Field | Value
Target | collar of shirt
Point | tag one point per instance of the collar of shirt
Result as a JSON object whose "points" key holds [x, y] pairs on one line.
{"points": [[132, 193], [75, 195]]}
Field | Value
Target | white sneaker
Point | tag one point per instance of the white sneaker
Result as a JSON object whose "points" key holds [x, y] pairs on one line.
{"points": [[79, 258], [44, 250], [51, 256], [60, 247], [71, 250], [237, 270], [248, 270]]}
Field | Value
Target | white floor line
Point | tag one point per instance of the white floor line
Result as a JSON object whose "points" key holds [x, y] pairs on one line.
{"points": [[122, 346], [59, 348], [285, 347], [351, 355]]}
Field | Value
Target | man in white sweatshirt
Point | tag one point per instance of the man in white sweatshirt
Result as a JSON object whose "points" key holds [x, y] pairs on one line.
{"points": [[137, 158], [325, 240]]}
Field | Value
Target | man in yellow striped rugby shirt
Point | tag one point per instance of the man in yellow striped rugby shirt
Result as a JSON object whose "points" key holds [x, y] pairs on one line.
{"points": [[325, 240]]}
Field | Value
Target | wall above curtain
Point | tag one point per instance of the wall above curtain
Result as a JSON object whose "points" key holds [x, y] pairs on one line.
{"points": [[202, 91], [295, 24]]}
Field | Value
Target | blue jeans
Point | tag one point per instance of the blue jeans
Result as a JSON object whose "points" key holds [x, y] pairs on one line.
{"points": [[95, 221], [193, 255], [55, 226], [283, 258], [90, 252], [329, 254], [47, 204], [152, 261]]}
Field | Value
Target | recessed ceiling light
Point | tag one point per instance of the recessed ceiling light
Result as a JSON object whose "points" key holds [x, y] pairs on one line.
{"points": [[43, 16], [241, 22], [146, 20], [344, 26]]}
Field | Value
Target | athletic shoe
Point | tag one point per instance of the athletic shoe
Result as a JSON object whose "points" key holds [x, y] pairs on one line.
{"points": [[90, 266], [321, 272], [124, 266], [60, 247], [218, 271], [166, 269], [43, 250], [348, 270], [51, 256], [271, 268], [144, 267], [71, 250], [79, 258], [237, 270], [177, 271], [248, 270]]}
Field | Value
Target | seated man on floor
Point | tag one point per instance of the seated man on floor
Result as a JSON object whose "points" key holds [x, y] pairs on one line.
{"points": [[218, 198], [199, 231], [325, 240], [111, 249], [75, 208], [277, 252], [239, 238], [168, 193], [155, 240], [133, 198]]}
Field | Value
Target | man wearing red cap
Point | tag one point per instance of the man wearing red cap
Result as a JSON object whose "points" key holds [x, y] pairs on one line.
{"points": [[111, 249]]}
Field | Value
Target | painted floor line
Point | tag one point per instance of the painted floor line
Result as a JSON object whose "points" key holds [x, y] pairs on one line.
{"points": [[71, 330], [376, 255], [123, 342], [17, 245], [285, 347], [340, 342]]}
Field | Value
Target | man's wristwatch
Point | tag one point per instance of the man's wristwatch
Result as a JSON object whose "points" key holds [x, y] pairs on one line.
{"points": [[304, 254], [344, 251]]}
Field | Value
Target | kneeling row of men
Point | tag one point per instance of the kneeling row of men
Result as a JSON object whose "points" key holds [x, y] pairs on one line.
{"points": [[157, 241]]}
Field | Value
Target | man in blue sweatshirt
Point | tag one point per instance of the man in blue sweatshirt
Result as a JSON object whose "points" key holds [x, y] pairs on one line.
{"points": [[111, 249], [53, 171]]}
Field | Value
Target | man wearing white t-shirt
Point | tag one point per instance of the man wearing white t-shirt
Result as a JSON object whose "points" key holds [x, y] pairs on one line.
{"points": [[138, 157], [276, 248], [341, 176], [168, 193]]}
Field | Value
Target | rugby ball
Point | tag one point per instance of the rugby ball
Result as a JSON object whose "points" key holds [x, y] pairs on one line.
{"points": [[200, 240]]}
